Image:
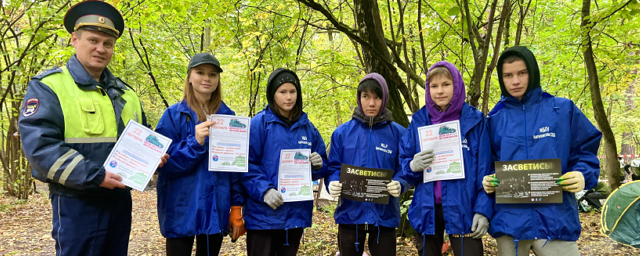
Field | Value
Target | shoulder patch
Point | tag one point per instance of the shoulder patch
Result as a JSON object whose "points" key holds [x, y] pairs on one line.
{"points": [[124, 85], [31, 107], [47, 73]]}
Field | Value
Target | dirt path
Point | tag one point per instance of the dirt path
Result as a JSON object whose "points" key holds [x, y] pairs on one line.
{"points": [[25, 229]]}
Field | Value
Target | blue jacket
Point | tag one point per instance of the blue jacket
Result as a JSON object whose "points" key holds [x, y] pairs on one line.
{"points": [[355, 143], [461, 198], [543, 127], [192, 200], [269, 135]]}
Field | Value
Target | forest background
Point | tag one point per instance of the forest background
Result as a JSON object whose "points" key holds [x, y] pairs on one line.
{"points": [[587, 50]]}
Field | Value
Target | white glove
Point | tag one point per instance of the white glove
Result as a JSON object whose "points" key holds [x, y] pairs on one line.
{"points": [[335, 188], [394, 188], [316, 161], [480, 226], [572, 181], [273, 198], [489, 183], [422, 160]]}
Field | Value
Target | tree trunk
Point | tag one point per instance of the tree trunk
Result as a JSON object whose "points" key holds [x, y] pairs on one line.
{"points": [[494, 59], [479, 52], [370, 29], [612, 165], [206, 44]]}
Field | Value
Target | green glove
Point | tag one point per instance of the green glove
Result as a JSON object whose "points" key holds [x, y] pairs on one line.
{"points": [[489, 183], [572, 182]]}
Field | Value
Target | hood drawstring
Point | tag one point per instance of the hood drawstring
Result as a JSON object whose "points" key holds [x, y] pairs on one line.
{"points": [[286, 230], [548, 240], [461, 245], [424, 241], [208, 244], [357, 250], [303, 232], [378, 240], [516, 241]]}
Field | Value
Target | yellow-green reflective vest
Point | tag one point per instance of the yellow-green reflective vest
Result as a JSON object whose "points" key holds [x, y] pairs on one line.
{"points": [[88, 114]]}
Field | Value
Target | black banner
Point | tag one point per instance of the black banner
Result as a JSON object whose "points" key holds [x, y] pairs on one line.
{"points": [[365, 184], [529, 182]]}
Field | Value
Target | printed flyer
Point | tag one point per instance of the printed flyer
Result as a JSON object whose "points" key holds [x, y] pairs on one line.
{"points": [[365, 184], [445, 140], [529, 181], [136, 155], [294, 175], [229, 143]]}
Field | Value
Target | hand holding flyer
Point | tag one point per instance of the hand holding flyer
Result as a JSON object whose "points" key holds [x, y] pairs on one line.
{"points": [[136, 155], [445, 140]]}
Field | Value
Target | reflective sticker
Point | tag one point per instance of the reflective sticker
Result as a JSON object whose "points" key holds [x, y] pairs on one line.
{"points": [[31, 107]]}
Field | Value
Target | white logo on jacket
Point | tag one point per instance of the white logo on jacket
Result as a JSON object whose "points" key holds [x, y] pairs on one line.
{"points": [[465, 144], [304, 141], [544, 132], [383, 147]]}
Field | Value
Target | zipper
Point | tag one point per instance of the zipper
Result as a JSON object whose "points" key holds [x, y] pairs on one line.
{"points": [[526, 147], [369, 164], [526, 139]]}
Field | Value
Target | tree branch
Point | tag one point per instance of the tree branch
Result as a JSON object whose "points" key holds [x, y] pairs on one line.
{"points": [[147, 65]]}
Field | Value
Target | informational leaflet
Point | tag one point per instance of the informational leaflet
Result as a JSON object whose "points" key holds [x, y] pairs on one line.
{"points": [[136, 155], [529, 182], [229, 143], [294, 175], [445, 140], [365, 184]]}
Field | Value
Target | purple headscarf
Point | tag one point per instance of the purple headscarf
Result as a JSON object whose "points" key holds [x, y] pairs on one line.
{"points": [[383, 86], [455, 106], [453, 112]]}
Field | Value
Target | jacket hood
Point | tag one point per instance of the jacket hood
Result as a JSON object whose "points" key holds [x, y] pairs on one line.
{"points": [[276, 79], [454, 110], [384, 88], [529, 60]]}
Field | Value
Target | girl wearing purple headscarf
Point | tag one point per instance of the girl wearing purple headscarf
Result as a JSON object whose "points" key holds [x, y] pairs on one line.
{"points": [[369, 140], [461, 207]]}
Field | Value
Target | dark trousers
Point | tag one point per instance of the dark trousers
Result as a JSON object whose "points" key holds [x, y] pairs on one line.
{"points": [[382, 240], [432, 244], [274, 242], [91, 226], [206, 245]]}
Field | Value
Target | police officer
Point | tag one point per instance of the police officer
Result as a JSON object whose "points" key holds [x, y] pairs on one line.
{"points": [[71, 118]]}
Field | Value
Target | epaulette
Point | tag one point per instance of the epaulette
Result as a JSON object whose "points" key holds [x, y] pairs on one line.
{"points": [[47, 72], [126, 85]]}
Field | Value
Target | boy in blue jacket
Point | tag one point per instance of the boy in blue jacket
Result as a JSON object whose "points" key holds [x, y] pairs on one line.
{"points": [[529, 124], [370, 140]]}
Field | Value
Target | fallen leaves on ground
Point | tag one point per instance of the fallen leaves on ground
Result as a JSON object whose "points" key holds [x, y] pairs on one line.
{"points": [[25, 229]]}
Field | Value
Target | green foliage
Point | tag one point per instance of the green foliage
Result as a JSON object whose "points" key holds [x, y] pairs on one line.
{"points": [[252, 38]]}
